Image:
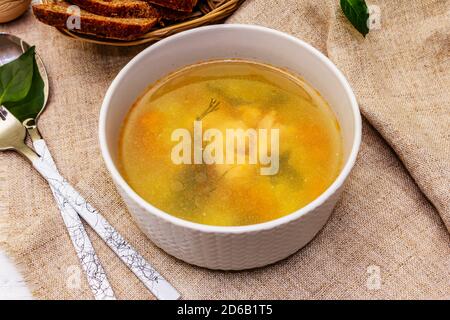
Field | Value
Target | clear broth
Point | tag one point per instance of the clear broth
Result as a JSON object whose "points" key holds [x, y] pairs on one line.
{"points": [[251, 95]]}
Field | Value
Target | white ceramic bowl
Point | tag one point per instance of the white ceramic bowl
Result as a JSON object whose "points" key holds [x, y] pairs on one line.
{"points": [[243, 247]]}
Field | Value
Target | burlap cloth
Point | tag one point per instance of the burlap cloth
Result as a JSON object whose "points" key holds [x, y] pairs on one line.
{"points": [[394, 215]]}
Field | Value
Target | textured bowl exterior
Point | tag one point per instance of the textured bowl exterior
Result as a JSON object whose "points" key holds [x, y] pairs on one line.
{"points": [[240, 247], [231, 251]]}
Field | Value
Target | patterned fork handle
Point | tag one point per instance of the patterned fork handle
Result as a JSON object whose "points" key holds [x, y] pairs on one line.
{"points": [[96, 276], [135, 262]]}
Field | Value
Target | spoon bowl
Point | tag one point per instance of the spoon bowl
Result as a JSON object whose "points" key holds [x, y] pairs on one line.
{"points": [[11, 48]]}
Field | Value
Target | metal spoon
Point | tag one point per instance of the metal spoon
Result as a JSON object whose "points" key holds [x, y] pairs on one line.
{"points": [[11, 47], [12, 134]]}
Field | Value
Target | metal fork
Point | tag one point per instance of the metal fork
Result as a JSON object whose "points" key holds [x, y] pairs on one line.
{"points": [[12, 135]]}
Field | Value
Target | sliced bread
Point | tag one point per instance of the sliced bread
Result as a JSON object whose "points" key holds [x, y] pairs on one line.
{"points": [[178, 5], [171, 15], [58, 14], [118, 8]]}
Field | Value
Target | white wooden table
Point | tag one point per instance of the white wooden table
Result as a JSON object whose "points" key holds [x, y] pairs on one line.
{"points": [[12, 285]]}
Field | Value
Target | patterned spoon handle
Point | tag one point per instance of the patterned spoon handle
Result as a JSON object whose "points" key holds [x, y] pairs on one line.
{"points": [[96, 276], [135, 262]]}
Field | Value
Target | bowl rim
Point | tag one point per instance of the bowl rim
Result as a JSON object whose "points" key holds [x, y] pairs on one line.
{"points": [[338, 182]]}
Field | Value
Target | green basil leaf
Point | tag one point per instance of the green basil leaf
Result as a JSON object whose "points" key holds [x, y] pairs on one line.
{"points": [[32, 104], [357, 13], [16, 77]]}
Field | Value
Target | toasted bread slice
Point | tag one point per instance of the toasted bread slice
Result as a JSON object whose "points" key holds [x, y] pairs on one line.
{"points": [[58, 15], [118, 8], [171, 15], [178, 5]]}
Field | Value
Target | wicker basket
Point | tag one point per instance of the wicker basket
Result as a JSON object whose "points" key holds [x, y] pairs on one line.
{"points": [[209, 12]]}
